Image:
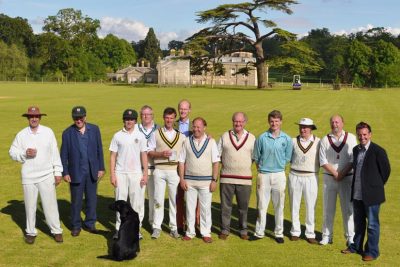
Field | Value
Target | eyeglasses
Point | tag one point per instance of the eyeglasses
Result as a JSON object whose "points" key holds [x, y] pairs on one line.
{"points": [[146, 114]]}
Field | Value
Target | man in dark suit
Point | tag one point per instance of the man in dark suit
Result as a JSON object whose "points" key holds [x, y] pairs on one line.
{"points": [[83, 164], [371, 172]]}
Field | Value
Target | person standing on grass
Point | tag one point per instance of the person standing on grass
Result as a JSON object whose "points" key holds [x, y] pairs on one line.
{"points": [[183, 125], [303, 179], [236, 149], [336, 158], [165, 145], [36, 148], [147, 127], [198, 171], [272, 151], [83, 163], [128, 165], [371, 172]]}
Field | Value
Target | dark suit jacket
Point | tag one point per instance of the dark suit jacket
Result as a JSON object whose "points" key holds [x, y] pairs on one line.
{"points": [[70, 156], [374, 174]]}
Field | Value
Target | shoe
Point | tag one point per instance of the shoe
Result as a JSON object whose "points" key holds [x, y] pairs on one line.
{"points": [[325, 241], [255, 238], [186, 238], [156, 234], [207, 239], [346, 251], [140, 236], [294, 238], [58, 238], [244, 237], [91, 230], [312, 241], [279, 240], [75, 232], [181, 231], [223, 236], [174, 234], [30, 239], [368, 258], [115, 236]]}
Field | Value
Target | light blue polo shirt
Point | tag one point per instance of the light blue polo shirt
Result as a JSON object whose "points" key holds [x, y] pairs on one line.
{"points": [[272, 154]]}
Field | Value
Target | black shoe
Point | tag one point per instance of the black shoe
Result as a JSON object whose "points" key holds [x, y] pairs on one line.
{"points": [[91, 230], [254, 238], [279, 240]]}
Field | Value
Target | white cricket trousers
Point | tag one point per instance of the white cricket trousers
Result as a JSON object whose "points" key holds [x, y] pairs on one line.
{"points": [[128, 184], [150, 196], [307, 187], [47, 191], [203, 194], [162, 178], [270, 185], [331, 189]]}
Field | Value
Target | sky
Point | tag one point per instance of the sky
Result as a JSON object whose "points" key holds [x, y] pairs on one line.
{"points": [[176, 19]]}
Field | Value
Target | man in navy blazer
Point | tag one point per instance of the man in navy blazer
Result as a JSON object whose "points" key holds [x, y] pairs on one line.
{"points": [[83, 163], [371, 172]]}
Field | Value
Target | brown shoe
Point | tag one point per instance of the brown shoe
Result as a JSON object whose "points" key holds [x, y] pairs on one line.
{"points": [[312, 241], [186, 238], [346, 251], [294, 238], [75, 232], [91, 230], [244, 237], [223, 236], [58, 238], [207, 239], [30, 239], [368, 258]]}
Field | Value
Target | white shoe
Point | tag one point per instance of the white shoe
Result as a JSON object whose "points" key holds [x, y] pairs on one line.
{"points": [[140, 236], [325, 241], [156, 233]]}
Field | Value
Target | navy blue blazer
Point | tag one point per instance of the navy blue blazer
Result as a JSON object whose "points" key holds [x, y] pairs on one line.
{"points": [[374, 174], [70, 156]]}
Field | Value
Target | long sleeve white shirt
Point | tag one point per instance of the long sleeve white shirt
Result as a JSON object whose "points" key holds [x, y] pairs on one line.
{"points": [[47, 159]]}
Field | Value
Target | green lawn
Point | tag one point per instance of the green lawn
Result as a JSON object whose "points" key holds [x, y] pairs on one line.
{"points": [[105, 104]]}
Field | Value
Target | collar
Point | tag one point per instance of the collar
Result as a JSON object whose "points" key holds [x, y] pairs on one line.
{"points": [[204, 137], [145, 128], [366, 146], [37, 131], [311, 139], [334, 136], [125, 131], [165, 129], [184, 122], [269, 134]]}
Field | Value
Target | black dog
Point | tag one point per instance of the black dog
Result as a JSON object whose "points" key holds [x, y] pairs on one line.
{"points": [[126, 246]]}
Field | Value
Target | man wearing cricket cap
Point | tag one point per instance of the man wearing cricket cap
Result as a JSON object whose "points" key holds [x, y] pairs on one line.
{"points": [[83, 163], [303, 179], [128, 157], [36, 148]]}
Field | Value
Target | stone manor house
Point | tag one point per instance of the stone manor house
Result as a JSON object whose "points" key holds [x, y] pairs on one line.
{"points": [[173, 70]]}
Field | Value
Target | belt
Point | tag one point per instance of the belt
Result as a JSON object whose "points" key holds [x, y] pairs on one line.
{"points": [[349, 174], [301, 171]]}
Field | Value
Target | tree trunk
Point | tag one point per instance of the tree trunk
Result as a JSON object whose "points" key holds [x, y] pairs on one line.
{"points": [[261, 84]]}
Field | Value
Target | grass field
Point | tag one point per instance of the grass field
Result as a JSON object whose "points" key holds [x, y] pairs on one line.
{"points": [[105, 104]]}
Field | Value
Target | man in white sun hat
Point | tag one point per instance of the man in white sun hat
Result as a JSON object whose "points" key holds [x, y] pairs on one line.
{"points": [[303, 179]]}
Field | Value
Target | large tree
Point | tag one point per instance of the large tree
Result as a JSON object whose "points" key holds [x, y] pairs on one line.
{"points": [[233, 22], [152, 50]]}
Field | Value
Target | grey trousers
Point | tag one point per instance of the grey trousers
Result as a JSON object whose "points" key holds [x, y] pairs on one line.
{"points": [[242, 193]]}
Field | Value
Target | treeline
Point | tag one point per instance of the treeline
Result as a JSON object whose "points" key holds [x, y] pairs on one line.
{"points": [[70, 49]]}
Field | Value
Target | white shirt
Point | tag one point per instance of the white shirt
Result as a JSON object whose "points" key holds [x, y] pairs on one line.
{"points": [[214, 149], [170, 134], [128, 147], [338, 160], [47, 159]]}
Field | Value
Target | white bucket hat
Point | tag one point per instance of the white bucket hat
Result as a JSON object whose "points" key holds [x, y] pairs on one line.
{"points": [[307, 122]]}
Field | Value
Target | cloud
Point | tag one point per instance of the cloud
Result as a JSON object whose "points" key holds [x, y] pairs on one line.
{"points": [[133, 30], [393, 31]]}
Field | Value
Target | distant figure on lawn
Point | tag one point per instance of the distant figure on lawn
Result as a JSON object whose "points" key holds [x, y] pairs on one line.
{"points": [[36, 148], [83, 163]]}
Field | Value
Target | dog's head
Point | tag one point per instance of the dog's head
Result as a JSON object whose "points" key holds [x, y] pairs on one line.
{"points": [[123, 207]]}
